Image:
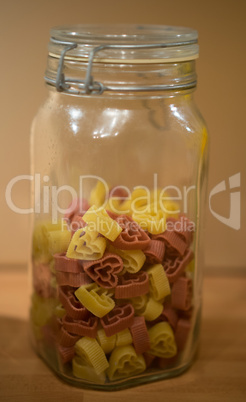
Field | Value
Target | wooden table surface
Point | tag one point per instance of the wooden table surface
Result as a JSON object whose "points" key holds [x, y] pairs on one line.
{"points": [[218, 374]]}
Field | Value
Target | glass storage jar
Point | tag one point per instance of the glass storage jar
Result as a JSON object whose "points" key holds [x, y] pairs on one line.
{"points": [[118, 161]]}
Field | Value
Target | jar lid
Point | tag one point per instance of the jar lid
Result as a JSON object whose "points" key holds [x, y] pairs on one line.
{"points": [[128, 44]]}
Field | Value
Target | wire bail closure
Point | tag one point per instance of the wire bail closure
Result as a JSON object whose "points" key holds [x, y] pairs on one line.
{"points": [[89, 86]]}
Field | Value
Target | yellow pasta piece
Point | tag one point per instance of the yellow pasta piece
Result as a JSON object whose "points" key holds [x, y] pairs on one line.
{"points": [[112, 205], [95, 299], [107, 343], [139, 197], [47, 239], [133, 260], [60, 311], [123, 338], [41, 312], [105, 225], [42, 309], [147, 307], [152, 309], [162, 342], [86, 245], [82, 369], [139, 303], [171, 209], [89, 349], [155, 197], [159, 284], [59, 241], [125, 207], [191, 266], [98, 194], [150, 218], [124, 362]]}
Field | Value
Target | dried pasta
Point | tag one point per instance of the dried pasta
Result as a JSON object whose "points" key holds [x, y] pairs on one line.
{"points": [[95, 299], [91, 351], [159, 284], [123, 338], [124, 362], [86, 245], [82, 369], [102, 222], [107, 343], [133, 260], [162, 342], [150, 218], [98, 194]]}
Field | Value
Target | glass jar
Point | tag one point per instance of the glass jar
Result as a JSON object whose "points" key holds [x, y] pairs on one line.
{"points": [[118, 161]]}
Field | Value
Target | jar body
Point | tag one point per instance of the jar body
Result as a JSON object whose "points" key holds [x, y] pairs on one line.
{"points": [[151, 152]]}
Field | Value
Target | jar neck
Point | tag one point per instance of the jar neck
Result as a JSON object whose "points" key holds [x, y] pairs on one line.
{"points": [[118, 78]]}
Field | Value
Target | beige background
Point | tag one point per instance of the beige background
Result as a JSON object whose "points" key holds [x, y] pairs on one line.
{"points": [[24, 36]]}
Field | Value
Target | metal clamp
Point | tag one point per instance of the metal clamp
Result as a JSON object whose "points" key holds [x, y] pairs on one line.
{"points": [[89, 86]]}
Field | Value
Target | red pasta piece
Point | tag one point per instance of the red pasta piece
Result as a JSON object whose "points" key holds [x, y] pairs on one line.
{"points": [[182, 332], [48, 334], [187, 314], [155, 251], [140, 335], [42, 280], [168, 314], [105, 270], [64, 338], [86, 327], [183, 227], [70, 279], [174, 268], [165, 363], [132, 285], [71, 304], [112, 215], [173, 241], [66, 353], [132, 237], [149, 359], [65, 264], [182, 293], [121, 317]]}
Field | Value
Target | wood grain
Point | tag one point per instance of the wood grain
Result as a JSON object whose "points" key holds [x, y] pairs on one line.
{"points": [[218, 374]]}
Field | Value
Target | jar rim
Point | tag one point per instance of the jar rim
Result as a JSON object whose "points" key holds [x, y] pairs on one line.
{"points": [[124, 33], [173, 43]]}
